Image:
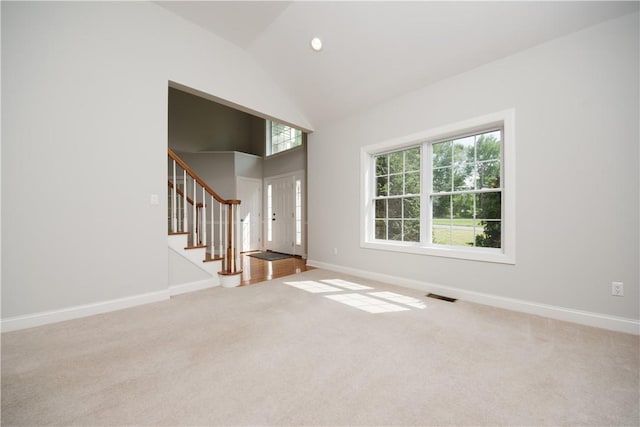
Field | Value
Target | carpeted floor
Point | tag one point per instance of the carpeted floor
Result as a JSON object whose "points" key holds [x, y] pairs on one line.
{"points": [[279, 354]]}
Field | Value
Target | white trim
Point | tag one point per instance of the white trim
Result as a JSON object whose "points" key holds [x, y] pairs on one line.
{"points": [[261, 234], [299, 172], [76, 312], [193, 286], [230, 280], [507, 254], [598, 320], [475, 254]]}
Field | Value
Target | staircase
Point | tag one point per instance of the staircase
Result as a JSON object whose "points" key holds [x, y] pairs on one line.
{"points": [[201, 224]]}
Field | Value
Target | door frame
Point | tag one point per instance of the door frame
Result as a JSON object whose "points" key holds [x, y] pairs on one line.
{"points": [[260, 244]]}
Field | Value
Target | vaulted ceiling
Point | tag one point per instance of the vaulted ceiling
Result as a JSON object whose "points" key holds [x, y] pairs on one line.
{"points": [[374, 51]]}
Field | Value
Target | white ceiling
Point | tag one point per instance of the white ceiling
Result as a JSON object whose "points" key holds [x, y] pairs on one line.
{"points": [[374, 51]]}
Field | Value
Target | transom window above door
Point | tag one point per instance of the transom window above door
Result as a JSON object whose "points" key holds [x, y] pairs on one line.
{"points": [[281, 137]]}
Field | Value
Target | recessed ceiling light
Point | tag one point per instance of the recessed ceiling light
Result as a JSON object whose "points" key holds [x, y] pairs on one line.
{"points": [[316, 44]]}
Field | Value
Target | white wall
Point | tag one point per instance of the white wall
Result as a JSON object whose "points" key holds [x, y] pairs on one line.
{"points": [[84, 139], [576, 104], [182, 270]]}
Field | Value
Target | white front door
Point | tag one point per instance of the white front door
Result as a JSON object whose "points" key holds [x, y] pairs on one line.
{"points": [[280, 219], [250, 212]]}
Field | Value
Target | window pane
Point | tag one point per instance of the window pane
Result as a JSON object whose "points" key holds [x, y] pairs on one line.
{"points": [[463, 208], [441, 235], [395, 208], [412, 207], [463, 176], [442, 154], [381, 229], [489, 205], [488, 174], [441, 206], [381, 208], [381, 165], [281, 137], [395, 229], [396, 164], [382, 186], [395, 187], [442, 180], [412, 183], [488, 146], [411, 230], [269, 213], [489, 236], [412, 159], [463, 150]]}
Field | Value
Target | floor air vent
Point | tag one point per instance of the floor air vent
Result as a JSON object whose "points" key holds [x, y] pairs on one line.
{"points": [[443, 298]]}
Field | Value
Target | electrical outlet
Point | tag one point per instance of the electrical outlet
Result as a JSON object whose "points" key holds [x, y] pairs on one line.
{"points": [[617, 289]]}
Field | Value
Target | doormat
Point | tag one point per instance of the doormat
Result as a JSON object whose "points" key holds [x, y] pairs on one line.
{"points": [[270, 256]]}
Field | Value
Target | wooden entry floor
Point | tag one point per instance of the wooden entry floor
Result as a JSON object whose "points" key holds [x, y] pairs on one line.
{"points": [[256, 270]]}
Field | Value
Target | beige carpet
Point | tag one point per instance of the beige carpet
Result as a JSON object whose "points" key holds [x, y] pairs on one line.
{"points": [[274, 354]]}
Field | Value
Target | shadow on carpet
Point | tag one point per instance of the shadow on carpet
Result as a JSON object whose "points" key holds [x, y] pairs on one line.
{"points": [[270, 256]]}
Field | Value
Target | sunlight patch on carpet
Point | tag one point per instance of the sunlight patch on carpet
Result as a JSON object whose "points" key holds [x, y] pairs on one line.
{"points": [[366, 303], [347, 285], [313, 286]]}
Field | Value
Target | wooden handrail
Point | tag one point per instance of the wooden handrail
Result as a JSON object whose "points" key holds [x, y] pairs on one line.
{"points": [[180, 193], [199, 180], [229, 266]]}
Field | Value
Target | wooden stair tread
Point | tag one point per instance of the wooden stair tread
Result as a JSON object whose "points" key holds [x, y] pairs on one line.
{"points": [[229, 273], [195, 247], [177, 233]]}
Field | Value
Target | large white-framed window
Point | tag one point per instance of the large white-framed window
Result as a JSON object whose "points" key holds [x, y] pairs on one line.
{"points": [[280, 137], [446, 192]]}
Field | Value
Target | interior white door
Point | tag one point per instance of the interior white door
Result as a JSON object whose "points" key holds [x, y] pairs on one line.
{"points": [[250, 211], [280, 214]]}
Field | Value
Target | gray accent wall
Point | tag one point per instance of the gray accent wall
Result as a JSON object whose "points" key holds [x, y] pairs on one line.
{"points": [[198, 124], [286, 162]]}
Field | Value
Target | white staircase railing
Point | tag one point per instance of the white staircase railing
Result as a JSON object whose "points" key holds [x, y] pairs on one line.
{"points": [[209, 220]]}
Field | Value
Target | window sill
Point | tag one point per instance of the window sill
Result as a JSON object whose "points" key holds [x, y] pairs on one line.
{"points": [[476, 254]]}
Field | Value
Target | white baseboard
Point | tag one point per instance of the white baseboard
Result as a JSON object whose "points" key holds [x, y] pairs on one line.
{"points": [[598, 320], [193, 286], [46, 317]]}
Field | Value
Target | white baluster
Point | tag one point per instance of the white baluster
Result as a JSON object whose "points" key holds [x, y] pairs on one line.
{"points": [[195, 218], [237, 229], [179, 200], [174, 208], [213, 243], [220, 234], [204, 217], [185, 214]]}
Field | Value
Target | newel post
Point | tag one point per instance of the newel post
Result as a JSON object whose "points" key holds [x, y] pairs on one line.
{"points": [[231, 262]]}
